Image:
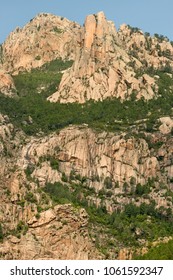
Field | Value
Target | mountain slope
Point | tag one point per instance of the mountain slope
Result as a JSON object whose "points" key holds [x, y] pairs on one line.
{"points": [[91, 178]]}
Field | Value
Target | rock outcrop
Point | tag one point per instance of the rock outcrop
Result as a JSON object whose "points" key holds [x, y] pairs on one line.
{"points": [[59, 233], [101, 68], [167, 125], [107, 62], [92, 155], [156, 52], [7, 86], [43, 39]]}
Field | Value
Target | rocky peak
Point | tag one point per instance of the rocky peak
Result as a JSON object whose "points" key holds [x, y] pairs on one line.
{"points": [[96, 27], [106, 62], [90, 29], [101, 68], [45, 38]]}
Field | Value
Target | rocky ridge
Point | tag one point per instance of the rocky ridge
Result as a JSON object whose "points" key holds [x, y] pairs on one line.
{"points": [[150, 51], [106, 61], [101, 67], [45, 38]]}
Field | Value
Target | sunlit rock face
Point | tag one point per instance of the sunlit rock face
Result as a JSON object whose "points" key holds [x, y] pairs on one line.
{"points": [[45, 38]]}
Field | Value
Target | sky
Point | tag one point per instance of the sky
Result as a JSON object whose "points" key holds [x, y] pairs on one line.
{"points": [[154, 16]]}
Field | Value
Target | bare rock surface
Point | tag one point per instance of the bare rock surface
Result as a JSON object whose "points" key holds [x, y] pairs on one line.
{"points": [[90, 155], [60, 233], [101, 67], [7, 86], [45, 38], [167, 125]]}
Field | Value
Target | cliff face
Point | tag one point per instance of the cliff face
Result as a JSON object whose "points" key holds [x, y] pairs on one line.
{"points": [[105, 163], [93, 155], [58, 232]]}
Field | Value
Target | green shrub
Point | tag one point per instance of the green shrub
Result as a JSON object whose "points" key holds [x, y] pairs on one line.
{"points": [[37, 216], [20, 226], [1, 233], [160, 252], [58, 192], [57, 30], [64, 177], [108, 183], [38, 57], [54, 163], [28, 171], [30, 197], [142, 189]]}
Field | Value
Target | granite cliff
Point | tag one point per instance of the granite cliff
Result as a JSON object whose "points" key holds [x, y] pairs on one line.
{"points": [[101, 68]]}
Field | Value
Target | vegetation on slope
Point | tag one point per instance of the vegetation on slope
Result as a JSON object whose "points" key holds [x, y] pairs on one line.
{"points": [[126, 228], [33, 113], [160, 252], [1, 233]]}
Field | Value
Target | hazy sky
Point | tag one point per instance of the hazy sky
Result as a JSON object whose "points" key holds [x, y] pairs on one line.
{"points": [[154, 16]]}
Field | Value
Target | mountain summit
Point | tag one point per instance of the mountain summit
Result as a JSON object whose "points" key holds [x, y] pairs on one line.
{"points": [[107, 62], [102, 67], [45, 38]]}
